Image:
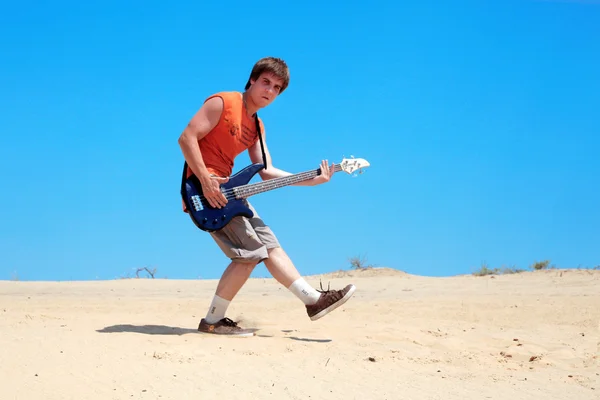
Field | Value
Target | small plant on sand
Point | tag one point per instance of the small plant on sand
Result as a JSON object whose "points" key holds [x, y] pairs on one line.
{"points": [[151, 272], [359, 263], [538, 265], [511, 270], [485, 270]]}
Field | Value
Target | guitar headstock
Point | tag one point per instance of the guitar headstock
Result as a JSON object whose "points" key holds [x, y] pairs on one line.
{"points": [[351, 165]]}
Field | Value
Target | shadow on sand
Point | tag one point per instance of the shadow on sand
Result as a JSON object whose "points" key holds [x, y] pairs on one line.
{"points": [[303, 339], [147, 329], [309, 340], [174, 330]]}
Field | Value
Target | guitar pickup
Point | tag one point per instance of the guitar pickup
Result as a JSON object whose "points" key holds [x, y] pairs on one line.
{"points": [[196, 203]]}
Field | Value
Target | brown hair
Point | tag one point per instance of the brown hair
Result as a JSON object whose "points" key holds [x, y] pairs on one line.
{"points": [[274, 65]]}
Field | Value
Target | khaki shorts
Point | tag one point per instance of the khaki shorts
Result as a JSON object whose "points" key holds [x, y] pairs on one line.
{"points": [[246, 239]]}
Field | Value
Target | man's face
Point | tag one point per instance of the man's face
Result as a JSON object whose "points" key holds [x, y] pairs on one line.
{"points": [[265, 89]]}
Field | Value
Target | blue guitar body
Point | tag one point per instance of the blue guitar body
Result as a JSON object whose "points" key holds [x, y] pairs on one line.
{"points": [[210, 219]]}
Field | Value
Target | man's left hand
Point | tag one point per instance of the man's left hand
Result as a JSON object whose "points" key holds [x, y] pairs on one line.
{"points": [[327, 172]]}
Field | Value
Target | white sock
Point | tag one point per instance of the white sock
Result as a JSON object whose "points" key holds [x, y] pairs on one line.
{"points": [[302, 290], [216, 311]]}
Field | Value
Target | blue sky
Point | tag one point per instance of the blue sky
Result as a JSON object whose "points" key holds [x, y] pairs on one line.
{"points": [[480, 121]]}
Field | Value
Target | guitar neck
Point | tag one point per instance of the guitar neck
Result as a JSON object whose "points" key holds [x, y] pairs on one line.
{"points": [[251, 189]]}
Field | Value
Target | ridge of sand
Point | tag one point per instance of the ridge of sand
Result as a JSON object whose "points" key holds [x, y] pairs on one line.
{"points": [[361, 272]]}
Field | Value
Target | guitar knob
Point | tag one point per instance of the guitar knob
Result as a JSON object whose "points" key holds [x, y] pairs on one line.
{"points": [[223, 217], [214, 221], [204, 220]]}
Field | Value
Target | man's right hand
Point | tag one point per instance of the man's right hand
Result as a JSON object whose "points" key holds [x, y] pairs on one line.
{"points": [[211, 188]]}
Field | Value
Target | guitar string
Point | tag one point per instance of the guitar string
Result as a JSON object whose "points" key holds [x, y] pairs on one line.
{"points": [[230, 193], [297, 178]]}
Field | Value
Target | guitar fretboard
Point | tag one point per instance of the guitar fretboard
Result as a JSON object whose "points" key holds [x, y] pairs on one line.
{"points": [[244, 191]]}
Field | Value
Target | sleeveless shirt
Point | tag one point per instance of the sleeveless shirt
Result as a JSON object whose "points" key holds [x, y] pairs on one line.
{"points": [[234, 133]]}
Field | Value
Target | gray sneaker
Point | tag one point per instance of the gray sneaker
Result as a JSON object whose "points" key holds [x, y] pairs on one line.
{"points": [[329, 301], [224, 327]]}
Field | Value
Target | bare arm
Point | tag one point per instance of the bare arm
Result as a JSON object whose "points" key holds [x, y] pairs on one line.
{"points": [[201, 124], [271, 172]]}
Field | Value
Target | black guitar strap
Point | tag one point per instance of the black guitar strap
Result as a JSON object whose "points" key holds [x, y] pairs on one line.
{"points": [[262, 147]]}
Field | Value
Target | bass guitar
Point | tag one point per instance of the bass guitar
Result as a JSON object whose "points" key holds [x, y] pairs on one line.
{"points": [[237, 189]]}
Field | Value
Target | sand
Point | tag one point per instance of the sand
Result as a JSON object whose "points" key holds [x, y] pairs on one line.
{"points": [[533, 335]]}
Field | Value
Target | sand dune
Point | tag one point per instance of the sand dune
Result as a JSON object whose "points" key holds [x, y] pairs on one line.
{"points": [[533, 335]]}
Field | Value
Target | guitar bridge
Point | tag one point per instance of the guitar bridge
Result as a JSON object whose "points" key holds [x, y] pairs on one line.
{"points": [[196, 203]]}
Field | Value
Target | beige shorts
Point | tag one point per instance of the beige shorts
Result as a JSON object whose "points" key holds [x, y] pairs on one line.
{"points": [[246, 239]]}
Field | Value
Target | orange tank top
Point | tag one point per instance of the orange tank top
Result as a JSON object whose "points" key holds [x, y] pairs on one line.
{"points": [[234, 133]]}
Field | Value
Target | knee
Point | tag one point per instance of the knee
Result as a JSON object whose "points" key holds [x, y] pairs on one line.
{"points": [[245, 267], [276, 253]]}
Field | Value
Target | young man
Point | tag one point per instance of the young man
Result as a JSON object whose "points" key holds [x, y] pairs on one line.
{"points": [[225, 126]]}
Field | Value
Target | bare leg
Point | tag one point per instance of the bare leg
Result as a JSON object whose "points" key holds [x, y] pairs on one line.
{"points": [[284, 271], [318, 303], [233, 279], [281, 267]]}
